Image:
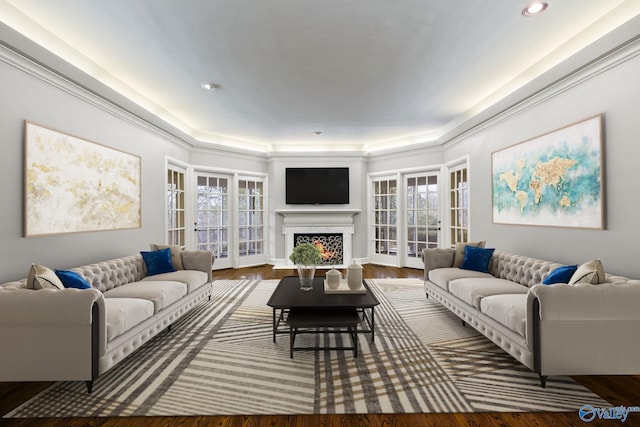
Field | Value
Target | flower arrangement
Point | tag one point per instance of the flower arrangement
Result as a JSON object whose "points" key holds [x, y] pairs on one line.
{"points": [[306, 254]]}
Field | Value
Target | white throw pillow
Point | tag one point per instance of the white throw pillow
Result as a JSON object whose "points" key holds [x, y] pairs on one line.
{"points": [[590, 272], [41, 277], [176, 256]]}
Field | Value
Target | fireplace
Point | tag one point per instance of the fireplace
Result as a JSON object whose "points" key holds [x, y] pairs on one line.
{"points": [[330, 245], [332, 228]]}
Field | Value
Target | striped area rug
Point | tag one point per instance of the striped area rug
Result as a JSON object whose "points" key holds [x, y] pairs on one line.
{"points": [[220, 359]]}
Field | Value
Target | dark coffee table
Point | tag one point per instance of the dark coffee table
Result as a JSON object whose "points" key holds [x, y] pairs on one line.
{"points": [[311, 321], [287, 297]]}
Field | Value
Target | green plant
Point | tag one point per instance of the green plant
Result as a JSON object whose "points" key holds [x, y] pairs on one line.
{"points": [[306, 253]]}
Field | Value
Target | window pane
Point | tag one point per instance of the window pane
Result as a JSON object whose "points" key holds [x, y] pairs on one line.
{"points": [[224, 188], [411, 249]]}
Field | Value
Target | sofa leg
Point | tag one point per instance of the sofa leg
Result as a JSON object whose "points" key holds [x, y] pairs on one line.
{"points": [[543, 381], [89, 386], [170, 326], [427, 295], [464, 323]]}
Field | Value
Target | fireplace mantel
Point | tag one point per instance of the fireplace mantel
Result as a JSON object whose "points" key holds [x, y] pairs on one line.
{"points": [[311, 220], [317, 217], [319, 211]]}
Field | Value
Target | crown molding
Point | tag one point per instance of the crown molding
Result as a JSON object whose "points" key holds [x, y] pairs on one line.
{"points": [[523, 99], [54, 79], [578, 76]]}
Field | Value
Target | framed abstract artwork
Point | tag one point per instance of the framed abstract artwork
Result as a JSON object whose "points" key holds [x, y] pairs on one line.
{"points": [[555, 179], [73, 185]]}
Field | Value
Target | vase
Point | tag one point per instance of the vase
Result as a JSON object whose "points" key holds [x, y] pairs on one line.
{"points": [[354, 276], [332, 278], [306, 273]]}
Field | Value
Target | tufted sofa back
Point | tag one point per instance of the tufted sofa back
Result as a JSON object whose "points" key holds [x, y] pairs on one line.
{"points": [[110, 274], [521, 269]]}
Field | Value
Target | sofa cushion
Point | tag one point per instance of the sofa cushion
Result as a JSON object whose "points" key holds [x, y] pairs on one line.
{"points": [[443, 276], [175, 250], [590, 272], [192, 278], [458, 258], [509, 310], [41, 277], [125, 313], [472, 291], [161, 294], [561, 274], [477, 259]]}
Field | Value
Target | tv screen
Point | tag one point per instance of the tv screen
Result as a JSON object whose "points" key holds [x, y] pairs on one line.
{"points": [[317, 186]]}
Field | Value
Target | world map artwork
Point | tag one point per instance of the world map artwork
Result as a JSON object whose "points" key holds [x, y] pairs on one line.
{"points": [[552, 180]]}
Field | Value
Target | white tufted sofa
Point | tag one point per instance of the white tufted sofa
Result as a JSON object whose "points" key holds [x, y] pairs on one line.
{"points": [[558, 329], [79, 334]]}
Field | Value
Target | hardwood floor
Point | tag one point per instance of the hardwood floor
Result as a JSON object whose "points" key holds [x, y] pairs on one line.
{"points": [[618, 390]]}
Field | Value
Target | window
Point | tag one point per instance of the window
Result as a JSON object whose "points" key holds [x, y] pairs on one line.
{"points": [[250, 217], [175, 207], [459, 205], [422, 215], [385, 216], [212, 213]]}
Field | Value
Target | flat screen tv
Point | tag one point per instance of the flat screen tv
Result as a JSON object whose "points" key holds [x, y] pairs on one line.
{"points": [[317, 186]]}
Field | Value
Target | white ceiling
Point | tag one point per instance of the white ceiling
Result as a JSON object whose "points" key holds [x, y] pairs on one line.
{"points": [[369, 74]]}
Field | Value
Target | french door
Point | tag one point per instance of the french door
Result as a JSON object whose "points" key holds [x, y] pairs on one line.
{"points": [[176, 220], [422, 216], [251, 221], [213, 220], [384, 219]]}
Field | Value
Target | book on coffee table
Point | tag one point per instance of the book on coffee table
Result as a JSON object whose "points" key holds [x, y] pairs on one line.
{"points": [[343, 288]]}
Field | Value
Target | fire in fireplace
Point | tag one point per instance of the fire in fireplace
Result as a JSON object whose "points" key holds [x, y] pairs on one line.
{"points": [[330, 245]]}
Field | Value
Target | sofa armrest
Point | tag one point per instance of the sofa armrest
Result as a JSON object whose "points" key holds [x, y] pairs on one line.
{"points": [[437, 258], [585, 329], [198, 260], [606, 301], [51, 335]]}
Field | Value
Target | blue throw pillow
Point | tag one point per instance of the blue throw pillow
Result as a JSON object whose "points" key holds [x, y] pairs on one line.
{"points": [[560, 275], [71, 279], [158, 262], [477, 259]]}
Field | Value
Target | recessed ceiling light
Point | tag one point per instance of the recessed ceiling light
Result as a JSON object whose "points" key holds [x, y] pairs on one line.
{"points": [[535, 8], [210, 86], [318, 133]]}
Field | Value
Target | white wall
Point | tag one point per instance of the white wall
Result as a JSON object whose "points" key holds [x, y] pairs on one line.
{"points": [[615, 93], [357, 195], [206, 158], [408, 159], [46, 100], [34, 94], [26, 97]]}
